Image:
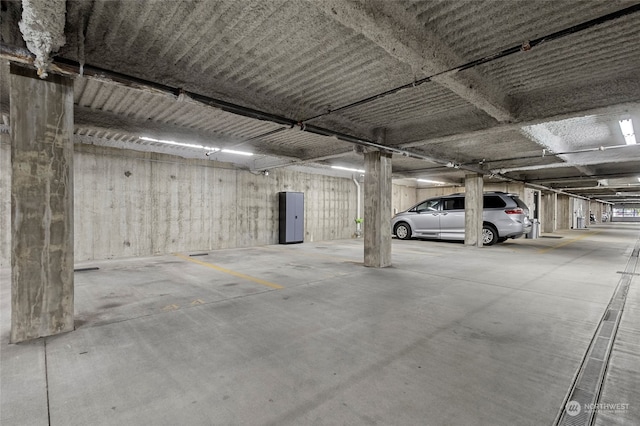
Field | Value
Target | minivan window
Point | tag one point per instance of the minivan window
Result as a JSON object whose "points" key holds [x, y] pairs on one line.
{"points": [[493, 202], [429, 205], [453, 203]]}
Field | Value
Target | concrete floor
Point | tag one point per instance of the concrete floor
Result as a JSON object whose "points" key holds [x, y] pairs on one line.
{"points": [[305, 335]]}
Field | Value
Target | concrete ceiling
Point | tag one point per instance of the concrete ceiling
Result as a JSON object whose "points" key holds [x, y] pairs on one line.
{"points": [[524, 91]]}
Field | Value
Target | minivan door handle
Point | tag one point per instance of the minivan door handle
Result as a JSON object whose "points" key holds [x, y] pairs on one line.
{"points": [[444, 213]]}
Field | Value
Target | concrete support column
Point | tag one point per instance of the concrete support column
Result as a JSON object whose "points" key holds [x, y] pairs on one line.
{"points": [[473, 204], [596, 208], [377, 209], [550, 212], [563, 212], [41, 204]]}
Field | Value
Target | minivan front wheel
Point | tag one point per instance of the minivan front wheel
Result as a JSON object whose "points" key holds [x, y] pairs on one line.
{"points": [[403, 231], [489, 235]]}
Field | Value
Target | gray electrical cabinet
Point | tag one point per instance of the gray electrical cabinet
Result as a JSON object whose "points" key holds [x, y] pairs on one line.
{"points": [[291, 217]]}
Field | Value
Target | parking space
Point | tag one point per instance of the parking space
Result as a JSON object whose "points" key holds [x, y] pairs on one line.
{"points": [[454, 334]]}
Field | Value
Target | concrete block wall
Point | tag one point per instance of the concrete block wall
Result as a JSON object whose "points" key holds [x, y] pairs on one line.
{"points": [[424, 193], [510, 187], [403, 197], [514, 188], [138, 204]]}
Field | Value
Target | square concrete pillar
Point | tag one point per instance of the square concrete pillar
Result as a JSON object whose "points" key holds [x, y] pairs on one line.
{"points": [[473, 204], [377, 209], [563, 212], [41, 204], [550, 212]]}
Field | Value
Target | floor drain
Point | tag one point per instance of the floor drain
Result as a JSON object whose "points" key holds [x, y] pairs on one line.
{"points": [[586, 388]]}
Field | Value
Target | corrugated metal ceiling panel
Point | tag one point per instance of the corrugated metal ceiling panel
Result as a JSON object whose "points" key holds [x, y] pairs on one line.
{"points": [[280, 50], [604, 52], [161, 108], [474, 29], [407, 106]]}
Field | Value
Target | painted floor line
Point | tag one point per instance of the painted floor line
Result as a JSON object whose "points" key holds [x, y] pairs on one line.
{"points": [[230, 272], [566, 243]]}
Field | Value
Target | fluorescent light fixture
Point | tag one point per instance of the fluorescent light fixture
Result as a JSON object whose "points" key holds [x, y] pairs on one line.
{"points": [[627, 131], [186, 145], [431, 181], [347, 169], [210, 150], [231, 151]]}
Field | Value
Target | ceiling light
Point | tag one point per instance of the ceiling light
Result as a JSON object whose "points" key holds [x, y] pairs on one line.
{"points": [[186, 145], [431, 181], [347, 169], [231, 151], [627, 131]]}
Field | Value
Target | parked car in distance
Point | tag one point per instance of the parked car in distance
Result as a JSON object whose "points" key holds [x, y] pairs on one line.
{"points": [[504, 216]]}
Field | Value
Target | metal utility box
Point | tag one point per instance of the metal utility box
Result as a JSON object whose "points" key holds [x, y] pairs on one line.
{"points": [[291, 217]]}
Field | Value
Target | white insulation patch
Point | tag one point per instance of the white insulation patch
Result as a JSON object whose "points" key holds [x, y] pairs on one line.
{"points": [[42, 28]]}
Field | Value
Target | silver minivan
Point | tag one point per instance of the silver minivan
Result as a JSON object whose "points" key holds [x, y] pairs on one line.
{"points": [[504, 216]]}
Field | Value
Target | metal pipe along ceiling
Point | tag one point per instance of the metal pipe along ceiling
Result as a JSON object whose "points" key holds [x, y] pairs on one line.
{"points": [[554, 154]]}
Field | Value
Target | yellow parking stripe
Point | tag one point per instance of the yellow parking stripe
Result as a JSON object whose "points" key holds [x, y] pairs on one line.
{"points": [[230, 272], [565, 243]]}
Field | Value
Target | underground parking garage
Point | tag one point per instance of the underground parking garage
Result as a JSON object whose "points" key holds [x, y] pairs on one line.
{"points": [[196, 202]]}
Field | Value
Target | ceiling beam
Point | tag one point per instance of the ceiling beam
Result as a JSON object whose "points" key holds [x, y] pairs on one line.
{"points": [[394, 29]]}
